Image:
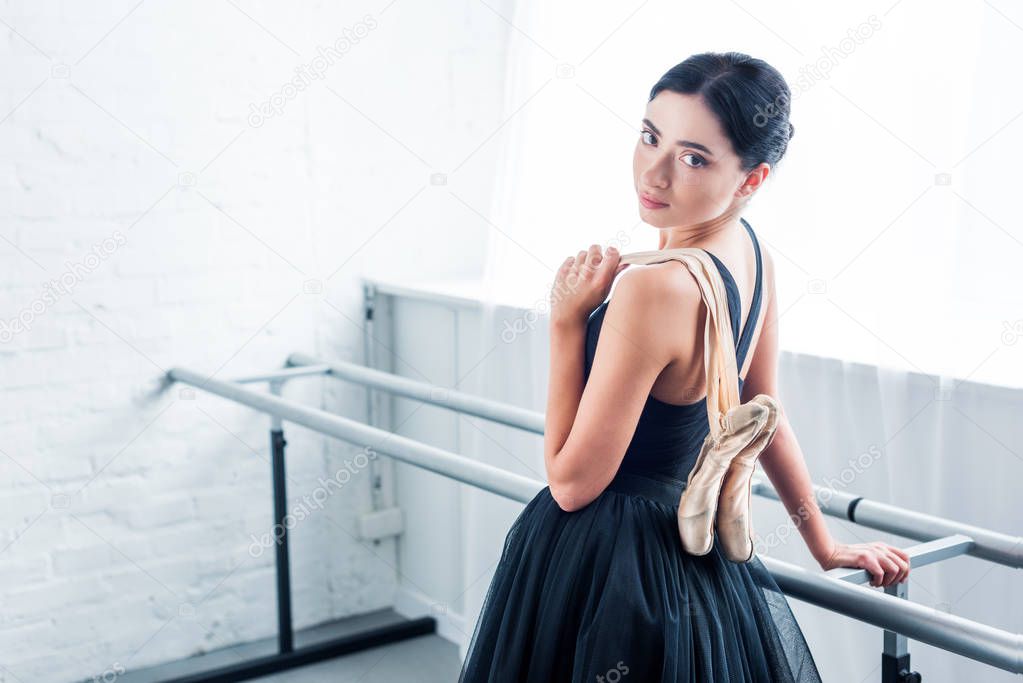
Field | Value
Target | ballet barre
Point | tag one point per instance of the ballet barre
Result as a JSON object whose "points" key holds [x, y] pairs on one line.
{"points": [[839, 590]]}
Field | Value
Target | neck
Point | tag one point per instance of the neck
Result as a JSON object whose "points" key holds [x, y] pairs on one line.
{"points": [[687, 235]]}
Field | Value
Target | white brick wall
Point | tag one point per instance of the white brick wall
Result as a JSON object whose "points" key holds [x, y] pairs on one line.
{"points": [[126, 510]]}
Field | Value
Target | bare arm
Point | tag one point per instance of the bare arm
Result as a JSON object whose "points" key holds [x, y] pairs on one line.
{"points": [[565, 384], [589, 424], [785, 466], [783, 460]]}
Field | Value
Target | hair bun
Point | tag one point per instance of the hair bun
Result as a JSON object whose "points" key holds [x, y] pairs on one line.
{"points": [[737, 88]]}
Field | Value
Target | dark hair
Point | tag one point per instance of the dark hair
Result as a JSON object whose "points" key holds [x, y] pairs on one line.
{"points": [[749, 97]]}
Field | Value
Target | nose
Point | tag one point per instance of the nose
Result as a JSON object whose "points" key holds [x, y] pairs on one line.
{"points": [[655, 175]]}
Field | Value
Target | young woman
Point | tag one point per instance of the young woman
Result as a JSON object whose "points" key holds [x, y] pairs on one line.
{"points": [[593, 583]]}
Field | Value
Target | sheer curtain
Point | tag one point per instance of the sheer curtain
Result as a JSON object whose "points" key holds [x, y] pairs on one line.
{"points": [[893, 229]]}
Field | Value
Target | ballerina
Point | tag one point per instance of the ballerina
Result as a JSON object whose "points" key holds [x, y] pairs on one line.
{"points": [[593, 583]]}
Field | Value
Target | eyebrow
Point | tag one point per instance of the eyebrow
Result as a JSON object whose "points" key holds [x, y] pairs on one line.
{"points": [[684, 143]]}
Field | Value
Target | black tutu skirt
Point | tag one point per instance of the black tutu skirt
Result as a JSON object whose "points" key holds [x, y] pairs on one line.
{"points": [[606, 594]]}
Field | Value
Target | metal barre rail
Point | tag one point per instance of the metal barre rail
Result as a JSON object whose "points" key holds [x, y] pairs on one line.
{"points": [[987, 545], [968, 638]]}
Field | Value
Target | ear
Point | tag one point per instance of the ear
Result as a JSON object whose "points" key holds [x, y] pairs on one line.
{"points": [[754, 179]]}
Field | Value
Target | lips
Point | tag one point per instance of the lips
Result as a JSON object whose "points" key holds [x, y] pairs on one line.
{"points": [[647, 199]]}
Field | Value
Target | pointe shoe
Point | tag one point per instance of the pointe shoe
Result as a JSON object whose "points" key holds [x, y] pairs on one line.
{"points": [[734, 514], [698, 504], [736, 429], [742, 438]]}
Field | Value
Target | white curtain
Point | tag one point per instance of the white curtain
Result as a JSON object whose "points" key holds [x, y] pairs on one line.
{"points": [[893, 227]]}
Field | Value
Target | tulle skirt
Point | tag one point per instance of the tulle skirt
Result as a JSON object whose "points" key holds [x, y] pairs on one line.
{"points": [[606, 593]]}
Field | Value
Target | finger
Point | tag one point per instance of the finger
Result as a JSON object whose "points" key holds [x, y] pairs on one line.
{"points": [[569, 268], [874, 567], [900, 564], [891, 569], [903, 569], [578, 263], [610, 262], [559, 276], [900, 552]]}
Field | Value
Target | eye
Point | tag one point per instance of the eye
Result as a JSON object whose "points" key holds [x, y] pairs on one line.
{"points": [[700, 161]]}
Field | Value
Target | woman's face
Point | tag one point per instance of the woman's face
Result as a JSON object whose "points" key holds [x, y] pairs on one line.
{"points": [[684, 160]]}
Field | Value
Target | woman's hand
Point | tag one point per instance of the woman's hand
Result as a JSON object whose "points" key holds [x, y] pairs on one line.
{"points": [[583, 282], [887, 564]]}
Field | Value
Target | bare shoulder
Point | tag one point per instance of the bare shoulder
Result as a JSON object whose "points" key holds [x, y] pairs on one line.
{"points": [[659, 278], [661, 304], [656, 288]]}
